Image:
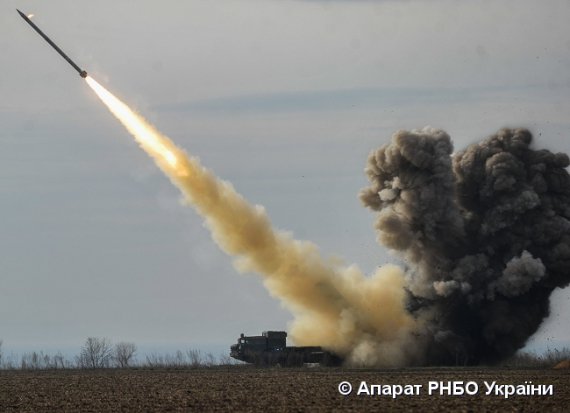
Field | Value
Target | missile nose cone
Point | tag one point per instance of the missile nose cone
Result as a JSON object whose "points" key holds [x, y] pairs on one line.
{"points": [[22, 14]]}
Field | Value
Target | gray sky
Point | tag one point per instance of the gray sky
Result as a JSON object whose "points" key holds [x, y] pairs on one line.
{"points": [[283, 98]]}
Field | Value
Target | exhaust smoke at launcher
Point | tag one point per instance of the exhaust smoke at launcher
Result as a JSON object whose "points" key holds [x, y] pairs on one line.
{"points": [[485, 232]]}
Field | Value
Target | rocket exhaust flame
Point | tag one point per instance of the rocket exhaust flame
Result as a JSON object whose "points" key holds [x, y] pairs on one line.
{"points": [[360, 318], [147, 136]]}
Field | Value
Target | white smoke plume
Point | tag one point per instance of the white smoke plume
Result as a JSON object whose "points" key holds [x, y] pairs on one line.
{"points": [[362, 319]]}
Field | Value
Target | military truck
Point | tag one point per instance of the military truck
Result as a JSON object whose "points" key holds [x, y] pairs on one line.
{"points": [[270, 348]]}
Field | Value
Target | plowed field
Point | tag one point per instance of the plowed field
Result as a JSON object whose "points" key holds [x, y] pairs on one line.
{"points": [[243, 388]]}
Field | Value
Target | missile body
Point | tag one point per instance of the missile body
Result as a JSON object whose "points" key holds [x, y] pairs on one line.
{"points": [[81, 72]]}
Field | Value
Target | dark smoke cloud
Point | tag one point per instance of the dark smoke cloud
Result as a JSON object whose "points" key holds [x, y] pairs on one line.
{"points": [[485, 233]]}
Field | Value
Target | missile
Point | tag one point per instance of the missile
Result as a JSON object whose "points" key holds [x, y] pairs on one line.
{"points": [[81, 72]]}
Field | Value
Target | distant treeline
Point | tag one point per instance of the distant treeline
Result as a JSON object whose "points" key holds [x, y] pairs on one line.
{"points": [[101, 353], [97, 353]]}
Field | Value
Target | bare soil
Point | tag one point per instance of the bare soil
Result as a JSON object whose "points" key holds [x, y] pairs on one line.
{"points": [[244, 388]]}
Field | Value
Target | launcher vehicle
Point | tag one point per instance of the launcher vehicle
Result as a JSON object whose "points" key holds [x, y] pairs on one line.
{"points": [[270, 349]]}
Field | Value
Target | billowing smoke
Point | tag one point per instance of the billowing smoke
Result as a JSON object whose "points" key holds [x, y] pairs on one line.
{"points": [[485, 234]]}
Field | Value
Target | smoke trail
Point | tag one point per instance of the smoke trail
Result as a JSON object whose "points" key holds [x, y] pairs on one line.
{"points": [[486, 233], [360, 318]]}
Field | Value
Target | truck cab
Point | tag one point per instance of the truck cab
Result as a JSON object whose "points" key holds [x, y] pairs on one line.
{"points": [[251, 348]]}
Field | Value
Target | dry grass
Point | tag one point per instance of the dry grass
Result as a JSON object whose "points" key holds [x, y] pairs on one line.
{"points": [[532, 360]]}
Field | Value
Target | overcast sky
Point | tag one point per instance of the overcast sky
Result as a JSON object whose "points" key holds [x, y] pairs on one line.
{"points": [[283, 98]]}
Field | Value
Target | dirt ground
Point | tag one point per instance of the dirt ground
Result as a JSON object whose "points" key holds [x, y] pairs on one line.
{"points": [[243, 388]]}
